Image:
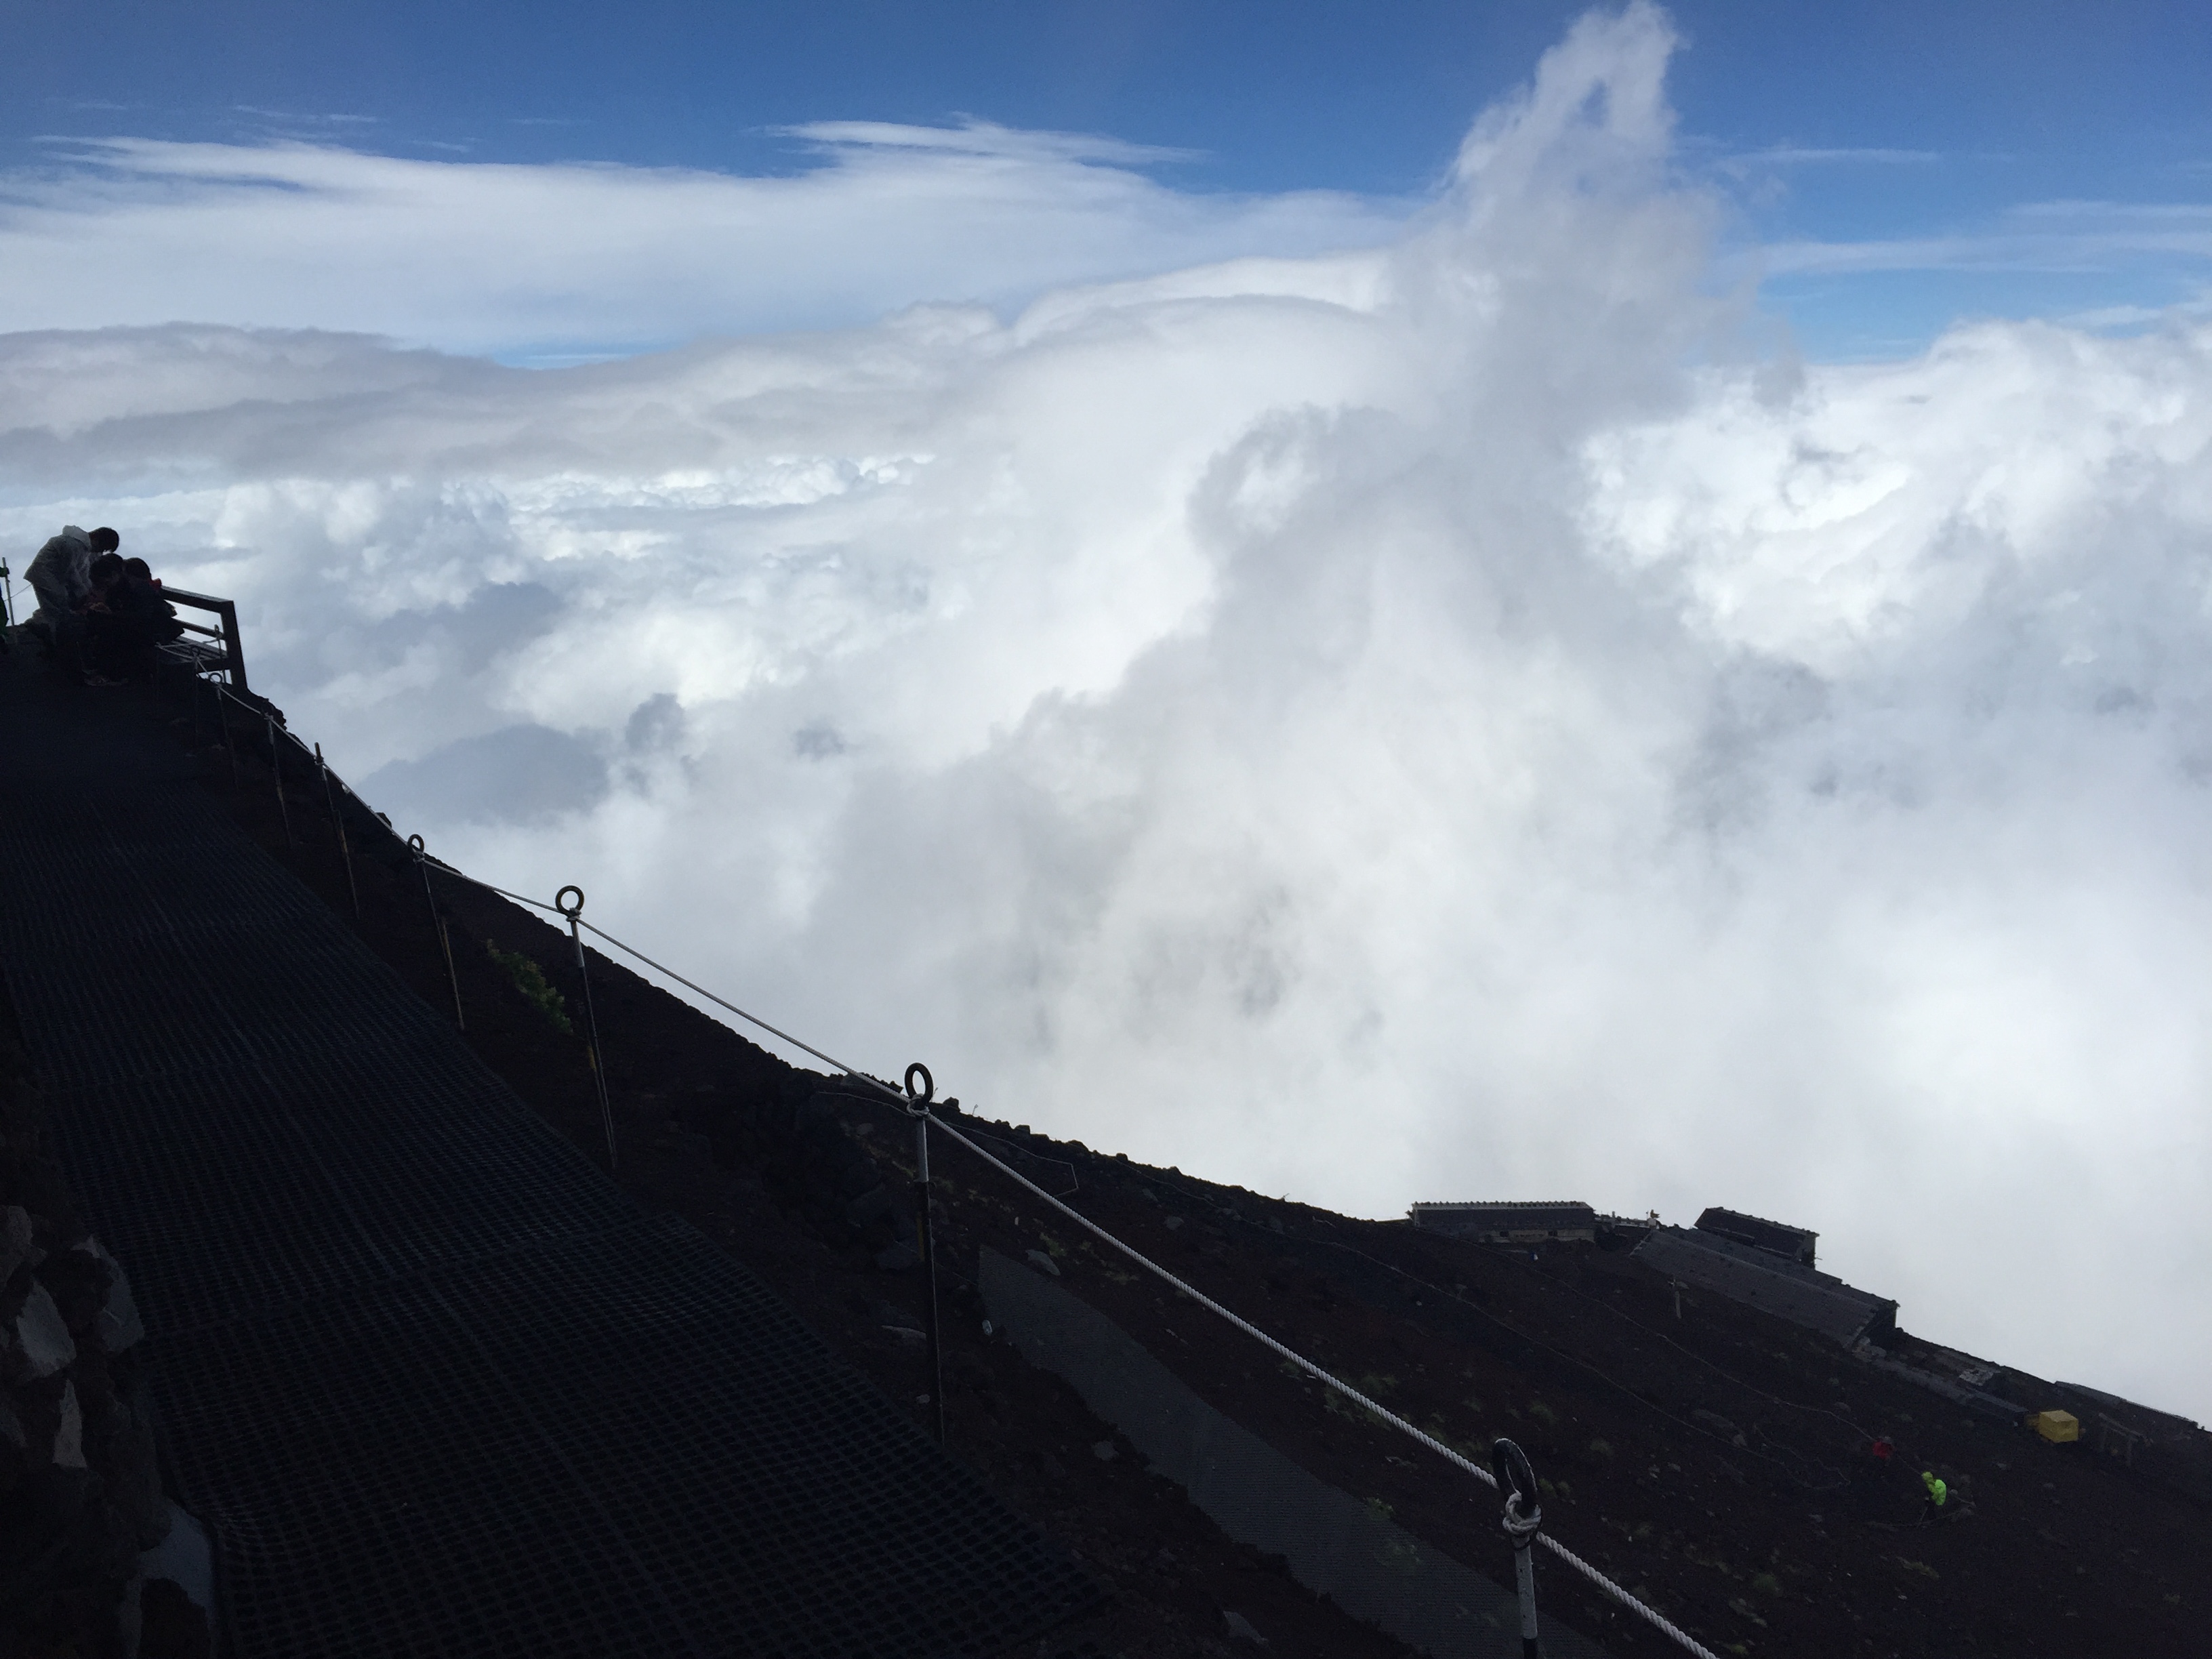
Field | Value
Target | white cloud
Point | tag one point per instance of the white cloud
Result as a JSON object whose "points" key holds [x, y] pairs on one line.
{"points": [[1377, 726], [486, 257]]}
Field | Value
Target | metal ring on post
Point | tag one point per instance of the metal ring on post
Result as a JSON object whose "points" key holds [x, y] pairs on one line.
{"points": [[918, 1097], [1517, 1480], [438, 926], [594, 1055], [1524, 1518]]}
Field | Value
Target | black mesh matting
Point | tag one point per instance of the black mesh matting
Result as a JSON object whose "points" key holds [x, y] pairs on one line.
{"points": [[233, 1190], [618, 1444], [436, 1386]]}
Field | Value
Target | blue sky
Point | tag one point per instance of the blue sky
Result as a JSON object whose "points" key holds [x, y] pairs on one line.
{"points": [[1932, 140]]}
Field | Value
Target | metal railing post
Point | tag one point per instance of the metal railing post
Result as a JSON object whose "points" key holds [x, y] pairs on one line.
{"points": [[233, 650], [926, 1239], [1524, 1519], [592, 1055], [223, 718], [276, 773], [337, 820], [438, 923]]}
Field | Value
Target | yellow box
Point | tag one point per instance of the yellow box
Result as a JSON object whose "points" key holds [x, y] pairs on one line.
{"points": [[2056, 1426]]}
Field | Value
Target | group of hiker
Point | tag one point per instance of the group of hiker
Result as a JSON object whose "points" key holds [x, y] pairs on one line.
{"points": [[101, 616], [1937, 1489]]}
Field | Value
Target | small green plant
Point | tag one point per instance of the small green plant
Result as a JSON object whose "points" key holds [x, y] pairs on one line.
{"points": [[1766, 1583], [1600, 1449], [1542, 1412], [1920, 1567], [530, 979]]}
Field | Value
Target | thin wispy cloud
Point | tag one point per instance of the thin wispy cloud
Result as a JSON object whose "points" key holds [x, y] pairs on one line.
{"points": [[2158, 215], [1795, 155], [2190, 307], [308, 117], [974, 138], [2070, 237]]}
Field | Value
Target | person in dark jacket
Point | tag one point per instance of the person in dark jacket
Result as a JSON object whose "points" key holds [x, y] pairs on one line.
{"points": [[124, 626]]}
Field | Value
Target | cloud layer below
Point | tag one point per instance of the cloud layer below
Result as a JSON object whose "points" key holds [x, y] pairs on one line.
{"points": [[1373, 726]]}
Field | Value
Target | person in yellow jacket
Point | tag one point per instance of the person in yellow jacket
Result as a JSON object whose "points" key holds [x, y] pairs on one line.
{"points": [[1938, 1494]]}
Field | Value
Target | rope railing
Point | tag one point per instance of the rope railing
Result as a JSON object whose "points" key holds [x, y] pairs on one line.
{"points": [[1522, 1523]]}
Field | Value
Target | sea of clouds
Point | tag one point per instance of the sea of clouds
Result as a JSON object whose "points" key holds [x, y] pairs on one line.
{"points": [[1442, 718]]}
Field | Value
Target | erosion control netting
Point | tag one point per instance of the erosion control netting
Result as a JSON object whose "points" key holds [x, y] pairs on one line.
{"points": [[434, 1383], [618, 1444]]}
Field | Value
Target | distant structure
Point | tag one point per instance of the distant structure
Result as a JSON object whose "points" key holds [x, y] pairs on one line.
{"points": [[1625, 1233], [1771, 1282], [1794, 1243], [1510, 1223]]}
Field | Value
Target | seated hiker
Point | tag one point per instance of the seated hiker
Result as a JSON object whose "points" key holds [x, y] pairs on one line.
{"points": [[123, 628], [61, 575]]}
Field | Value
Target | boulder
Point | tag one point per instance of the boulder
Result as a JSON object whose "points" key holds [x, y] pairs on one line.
{"points": [[36, 1344], [118, 1326], [15, 1240], [68, 1434]]}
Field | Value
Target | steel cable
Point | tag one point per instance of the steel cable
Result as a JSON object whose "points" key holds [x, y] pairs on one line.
{"points": [[445, 868], [889, 1092]]}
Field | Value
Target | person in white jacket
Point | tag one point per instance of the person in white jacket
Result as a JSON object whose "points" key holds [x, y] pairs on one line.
{"points": [[62, 574], [62, 578]]}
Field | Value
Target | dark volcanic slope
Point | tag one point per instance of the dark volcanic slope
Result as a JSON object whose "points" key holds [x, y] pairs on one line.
{"points": [[1718, 1463], [434, 1384]]}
